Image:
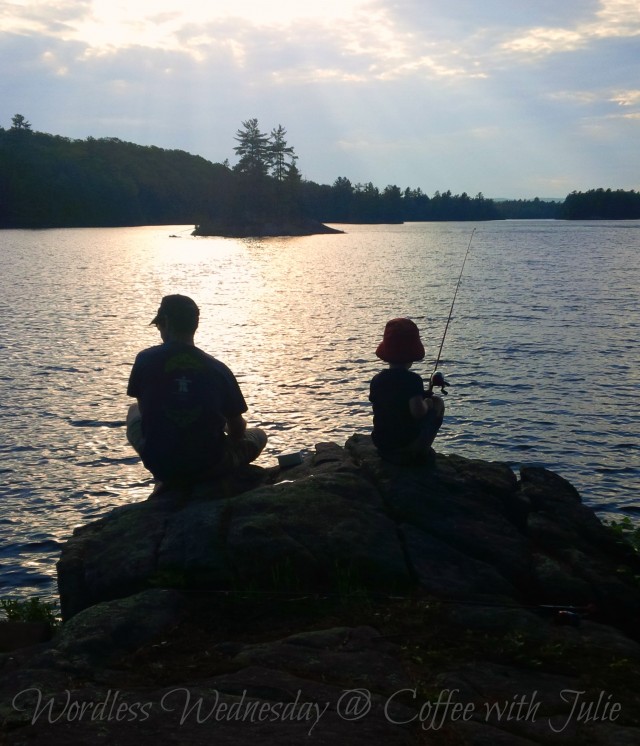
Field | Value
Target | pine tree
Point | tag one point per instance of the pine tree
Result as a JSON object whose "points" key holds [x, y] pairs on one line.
{"points": [[253, 149], [279, 152], [19, 123]]}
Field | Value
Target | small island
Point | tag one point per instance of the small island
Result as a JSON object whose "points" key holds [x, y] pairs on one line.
{"points": [[265, 200], [263, 228]]}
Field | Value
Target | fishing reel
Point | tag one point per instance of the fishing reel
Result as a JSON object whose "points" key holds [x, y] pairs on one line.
{"points": [[437, 380]]}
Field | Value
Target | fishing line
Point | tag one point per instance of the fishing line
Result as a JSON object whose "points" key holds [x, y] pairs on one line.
{"points": [[438, 380]]}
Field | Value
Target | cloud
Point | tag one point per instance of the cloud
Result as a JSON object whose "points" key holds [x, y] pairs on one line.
{"points": [[116, 24], [617, 18], [545, 41], [55, 17], [627, 98], [613, 19]]}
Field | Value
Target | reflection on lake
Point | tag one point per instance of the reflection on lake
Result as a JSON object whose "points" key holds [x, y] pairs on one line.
{"points": [[542, 352]]}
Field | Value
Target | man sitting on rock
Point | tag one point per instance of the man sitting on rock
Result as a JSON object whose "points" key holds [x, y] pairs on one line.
{"points": [[187, 425]]}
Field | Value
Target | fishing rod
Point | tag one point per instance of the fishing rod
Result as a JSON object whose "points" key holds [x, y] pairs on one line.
{"points": [[437, 379]]}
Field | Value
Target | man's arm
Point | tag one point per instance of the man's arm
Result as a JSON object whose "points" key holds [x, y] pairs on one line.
{"points": [[236, 427]]}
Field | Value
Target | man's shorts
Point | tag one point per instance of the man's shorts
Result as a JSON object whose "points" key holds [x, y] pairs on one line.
{"points": [[237, 452], [134, 428], [243, 451]]}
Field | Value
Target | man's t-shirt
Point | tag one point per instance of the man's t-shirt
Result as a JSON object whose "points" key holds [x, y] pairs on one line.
{"points": [[186, 397], [389, 393]]}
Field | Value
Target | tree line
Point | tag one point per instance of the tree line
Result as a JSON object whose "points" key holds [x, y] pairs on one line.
{"points": [[52, 181], [601, 204]]}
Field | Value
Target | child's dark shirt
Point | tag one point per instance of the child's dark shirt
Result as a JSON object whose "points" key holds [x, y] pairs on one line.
{"points": [[390, 392]]}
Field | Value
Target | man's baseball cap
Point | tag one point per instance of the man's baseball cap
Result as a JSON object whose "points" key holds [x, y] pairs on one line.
{"points": [[181, 310]]}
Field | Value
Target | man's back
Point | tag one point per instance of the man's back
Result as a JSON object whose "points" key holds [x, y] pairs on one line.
{"points": [[186, 396]]}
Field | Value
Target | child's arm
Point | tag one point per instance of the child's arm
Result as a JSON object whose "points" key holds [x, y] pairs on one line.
{"points": [[419, 406]]}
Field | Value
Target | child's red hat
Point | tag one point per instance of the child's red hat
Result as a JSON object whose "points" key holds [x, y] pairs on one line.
{"points": [[400, 342]]}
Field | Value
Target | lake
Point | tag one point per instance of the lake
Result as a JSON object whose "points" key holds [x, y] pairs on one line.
{"points": [[542, 353]]}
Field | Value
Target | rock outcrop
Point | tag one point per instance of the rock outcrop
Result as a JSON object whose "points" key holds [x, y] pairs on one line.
{"points": [[348, 600], [258, 228], [461, 529]]}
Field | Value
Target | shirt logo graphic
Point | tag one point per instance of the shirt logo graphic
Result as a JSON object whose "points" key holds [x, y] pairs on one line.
{"points": [[183, 384]]}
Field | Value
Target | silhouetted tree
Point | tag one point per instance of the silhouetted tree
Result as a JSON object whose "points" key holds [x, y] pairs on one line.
{"points": [[253, 150], [391, 207], [19, 123], [281, 155], [415, 204], [341, 202], [365, 203]]}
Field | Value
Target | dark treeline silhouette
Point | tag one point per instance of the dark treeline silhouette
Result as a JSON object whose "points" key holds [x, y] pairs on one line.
{"points": [[52, 181], [600, 204], [527, 209], [364, 203]]}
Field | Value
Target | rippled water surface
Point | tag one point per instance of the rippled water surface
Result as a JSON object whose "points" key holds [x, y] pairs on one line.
{"points": [[542, 353]]}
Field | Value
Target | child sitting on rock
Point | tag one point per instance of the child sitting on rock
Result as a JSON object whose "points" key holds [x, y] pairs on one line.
{"points": [[405, 420]]}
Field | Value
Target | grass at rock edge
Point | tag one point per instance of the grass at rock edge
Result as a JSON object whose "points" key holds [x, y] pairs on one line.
{"points": [[428, 642]]}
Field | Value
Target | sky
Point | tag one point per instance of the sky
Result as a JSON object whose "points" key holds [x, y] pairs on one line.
{"points": [[511, 98]]}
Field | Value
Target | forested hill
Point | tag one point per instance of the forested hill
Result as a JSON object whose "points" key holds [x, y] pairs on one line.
{"points": [[602, 204], [52, 181]]}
